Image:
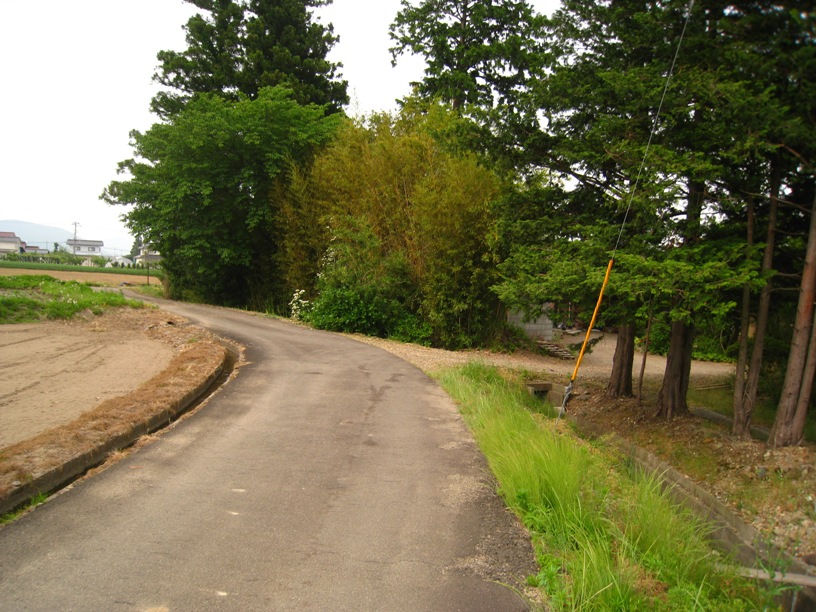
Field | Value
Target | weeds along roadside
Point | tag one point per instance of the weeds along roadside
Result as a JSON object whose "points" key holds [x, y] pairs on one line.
{"points": [[606, 536]]}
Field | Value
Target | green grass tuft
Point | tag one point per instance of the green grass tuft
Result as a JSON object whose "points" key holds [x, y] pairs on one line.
{"points": [[607, 536], [25, 299]]}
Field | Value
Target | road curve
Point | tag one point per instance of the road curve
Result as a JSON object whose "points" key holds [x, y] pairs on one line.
{"points": [[328, 475]]}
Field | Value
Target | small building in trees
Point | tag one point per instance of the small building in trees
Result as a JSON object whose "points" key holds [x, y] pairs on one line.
{"points": [[540, 328], [147, 254], [85, 248]]}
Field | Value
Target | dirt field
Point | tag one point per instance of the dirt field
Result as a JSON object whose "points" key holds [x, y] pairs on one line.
{"points": [[55, 371]]}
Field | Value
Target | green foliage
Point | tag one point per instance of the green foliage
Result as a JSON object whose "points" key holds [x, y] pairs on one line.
{"points": [[352, 310], [57, 257], [410, 229], [477, 52], [32, 298], [38, 500], [246, 104], [729, 133], [19, 309], [135, 249], [410, 327], [708, 345], [607, 536], [360, 290], [235, 49], [483, 58], [203, 189]]}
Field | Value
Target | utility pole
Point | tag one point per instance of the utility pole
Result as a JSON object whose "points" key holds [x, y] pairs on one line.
{"points": [[75, 234]]}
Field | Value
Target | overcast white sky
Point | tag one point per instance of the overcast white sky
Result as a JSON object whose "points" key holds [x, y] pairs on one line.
{"points": [[77, 78]]}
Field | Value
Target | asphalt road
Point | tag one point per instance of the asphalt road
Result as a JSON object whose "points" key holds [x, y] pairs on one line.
{"points": [[328, 475]]}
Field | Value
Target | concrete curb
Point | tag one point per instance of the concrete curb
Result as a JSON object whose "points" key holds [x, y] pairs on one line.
{"points": [[732, 535], [58, 477]]}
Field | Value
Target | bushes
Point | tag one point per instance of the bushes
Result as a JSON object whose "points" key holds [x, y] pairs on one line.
{"points": [[409, 225], [359, 290], [352, 309], [363, 311]]}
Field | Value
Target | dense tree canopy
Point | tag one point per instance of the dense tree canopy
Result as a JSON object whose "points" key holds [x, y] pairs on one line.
{"points": [[730, 131], [238, 47], [409, 223], [244, 107], [690, 121], [480, 53], [203, 188]]}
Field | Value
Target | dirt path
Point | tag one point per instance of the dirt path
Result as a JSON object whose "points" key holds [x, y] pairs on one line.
{"points": [[596, 364]]}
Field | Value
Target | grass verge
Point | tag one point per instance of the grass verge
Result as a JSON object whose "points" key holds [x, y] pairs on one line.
{"points": [[606, 536], [28, 298]]}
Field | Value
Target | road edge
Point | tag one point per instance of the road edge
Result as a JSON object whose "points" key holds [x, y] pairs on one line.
{"points": [[59, 476]]}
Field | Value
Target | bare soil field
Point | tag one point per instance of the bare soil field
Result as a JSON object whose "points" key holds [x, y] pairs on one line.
{"points": [[56, 370], [71, 387]]}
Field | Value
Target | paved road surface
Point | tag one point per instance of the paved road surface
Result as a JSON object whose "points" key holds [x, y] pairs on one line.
{"points": [[329, 475]]}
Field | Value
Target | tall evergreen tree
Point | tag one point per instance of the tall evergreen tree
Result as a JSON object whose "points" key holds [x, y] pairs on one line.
{"points": [[243, 105], [599, 99], [478, 52], [236, 47]]}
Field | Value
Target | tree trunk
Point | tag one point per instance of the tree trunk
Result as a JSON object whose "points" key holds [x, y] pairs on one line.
{"points": [[800, 417], [801, 361], [752, 380], [742, 418], [620, 382], [645, 354], [672, 398]]}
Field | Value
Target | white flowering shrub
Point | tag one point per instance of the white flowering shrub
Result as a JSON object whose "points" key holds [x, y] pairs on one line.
{"points": [[298, 305]]}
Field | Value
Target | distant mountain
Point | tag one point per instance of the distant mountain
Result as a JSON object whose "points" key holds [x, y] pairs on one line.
{"points": [[34, 234]]}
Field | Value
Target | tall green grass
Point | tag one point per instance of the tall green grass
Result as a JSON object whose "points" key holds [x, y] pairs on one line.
{"points": [[32, 298], [606, 535]]}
